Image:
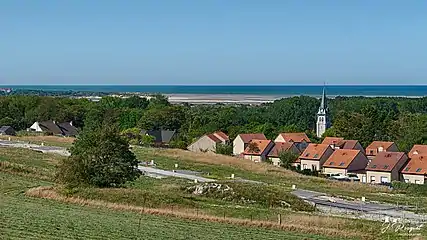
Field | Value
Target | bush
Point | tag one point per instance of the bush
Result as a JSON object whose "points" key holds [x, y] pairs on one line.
{"points": [[409, 188], [287, 158], [224, 149], [99, 158]]}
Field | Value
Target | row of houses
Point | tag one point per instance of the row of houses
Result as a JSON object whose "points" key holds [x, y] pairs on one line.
{"points": [[380, 162]]}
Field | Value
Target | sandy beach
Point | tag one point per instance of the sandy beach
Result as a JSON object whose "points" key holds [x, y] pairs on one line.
{"points": [[222, 98]]}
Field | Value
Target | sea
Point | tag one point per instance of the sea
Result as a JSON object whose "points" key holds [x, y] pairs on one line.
{"points": [[277, 90]]}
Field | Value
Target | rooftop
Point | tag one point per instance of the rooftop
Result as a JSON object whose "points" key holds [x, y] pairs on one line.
{"points": [[378, 144], [385, 161], [341, 158], [258, 148], [295, 137], [332, 140], [418, 150], [247, 137], [314, 151], [417, 165], [279, 147]]}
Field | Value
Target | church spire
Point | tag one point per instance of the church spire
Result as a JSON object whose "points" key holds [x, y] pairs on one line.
{"points": [[323, 104]]}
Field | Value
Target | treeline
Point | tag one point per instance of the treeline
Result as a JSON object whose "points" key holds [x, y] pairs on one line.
{"points": [[403, 120]]}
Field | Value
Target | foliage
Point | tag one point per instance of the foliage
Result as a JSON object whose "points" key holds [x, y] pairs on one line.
{"points": [[410, 188], [253, 147], [287, 158], [224, 149], [100, 158]]}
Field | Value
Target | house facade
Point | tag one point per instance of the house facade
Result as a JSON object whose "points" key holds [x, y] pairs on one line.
{"points": [[301, 139], [257, 150], [377, 147], [385, 167], [278, 148], [242, 140], [415, 171], [345, 161], [7, 130], [314, 156], [208, 142]]}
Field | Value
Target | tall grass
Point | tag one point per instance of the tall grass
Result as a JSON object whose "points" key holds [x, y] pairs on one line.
{"points": [[312, 225]]}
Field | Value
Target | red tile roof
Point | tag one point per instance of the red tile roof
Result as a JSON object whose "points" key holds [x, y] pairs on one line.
{"points": [[332, 140], [375, 145], [221, 135], [280, 147], [418, 150], [247, 137], [341, 158], [295, 137], [314, 151], [214, 138], [385, 161], [261, 147], [417, 165], [349, 144]]}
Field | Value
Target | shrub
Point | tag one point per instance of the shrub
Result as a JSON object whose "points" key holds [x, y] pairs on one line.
{"points": [[99, 157], [409, 188]]}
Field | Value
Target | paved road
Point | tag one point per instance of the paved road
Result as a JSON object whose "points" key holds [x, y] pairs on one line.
{"points": [[156, 171], [379, 209]]}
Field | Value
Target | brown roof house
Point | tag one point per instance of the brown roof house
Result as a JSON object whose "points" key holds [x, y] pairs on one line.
{"points": [[314, 156], [418, 150], [54, 128], [300, 139], [208, 142], [415, 171], [257, 150], [378, 146], [345, 161], [242, 140], [280, 147], [385, 167], [340, 143]]}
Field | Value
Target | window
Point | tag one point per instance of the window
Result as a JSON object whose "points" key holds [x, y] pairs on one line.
{"points": [[380, 149], [304, 166], [316, 155], [406, 169], [372, 179], [384, 180], [406, 180], [386, 166], [313, 168], [374, 166], [418, 170], [417, 182], [307, 154], [341, 163], [371, 152], [331, 163], [364, 179]]}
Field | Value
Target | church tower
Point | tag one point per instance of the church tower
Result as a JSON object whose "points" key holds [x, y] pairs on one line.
{"points": [[322, 116]]}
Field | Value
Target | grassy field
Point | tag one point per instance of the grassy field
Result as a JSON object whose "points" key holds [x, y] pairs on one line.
{"points": [[91, 213], [46, 140]]}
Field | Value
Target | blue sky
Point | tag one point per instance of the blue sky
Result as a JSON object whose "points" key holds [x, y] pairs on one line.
{"points": [[213, 42]]}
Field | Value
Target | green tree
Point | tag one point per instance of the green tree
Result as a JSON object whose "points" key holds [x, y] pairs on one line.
{"points": [[287, 158], [99, 157], [224, 149]]}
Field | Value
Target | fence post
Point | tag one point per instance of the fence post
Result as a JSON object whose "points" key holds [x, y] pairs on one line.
{"points": [[279, 218]]}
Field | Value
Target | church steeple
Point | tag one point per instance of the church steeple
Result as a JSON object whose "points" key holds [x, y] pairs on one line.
{"points": [[322, 116]]}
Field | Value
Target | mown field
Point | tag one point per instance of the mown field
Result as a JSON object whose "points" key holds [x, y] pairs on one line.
{"points": [[90, 215]]}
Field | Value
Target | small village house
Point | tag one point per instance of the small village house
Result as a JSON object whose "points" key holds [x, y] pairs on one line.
{"points": [[161, 137], [314, 156], [415, 171], [208, 142], [345, 161], [242, 140], [418, 150], [54, 128], [378, 146], [278, 148], [340, 143], [257, 150], [7, 130], [385, 167], [300, 139]]}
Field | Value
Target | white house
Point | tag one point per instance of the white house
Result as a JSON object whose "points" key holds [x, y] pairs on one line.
{"points": [[242, 140]]}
